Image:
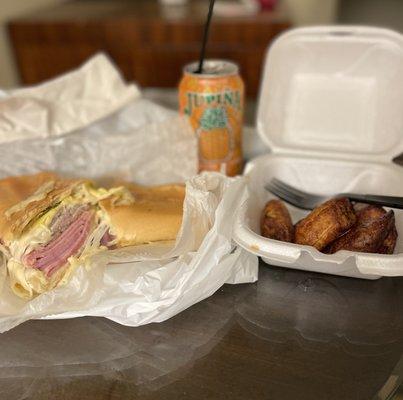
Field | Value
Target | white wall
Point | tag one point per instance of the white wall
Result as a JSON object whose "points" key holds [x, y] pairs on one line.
{"points": [[385, 13], [8, 10], [311, 12]]}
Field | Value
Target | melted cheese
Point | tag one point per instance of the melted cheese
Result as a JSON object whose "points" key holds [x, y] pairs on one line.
{"points": [[28, 282]]}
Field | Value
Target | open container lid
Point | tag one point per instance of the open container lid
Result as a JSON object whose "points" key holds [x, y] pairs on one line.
{"points": [[334, 92]]}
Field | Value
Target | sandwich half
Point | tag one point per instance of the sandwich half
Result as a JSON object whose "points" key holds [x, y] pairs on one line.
{"points": [[50, 225]]}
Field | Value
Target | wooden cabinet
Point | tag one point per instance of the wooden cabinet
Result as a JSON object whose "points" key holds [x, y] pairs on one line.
{"points": [[150, 43]]}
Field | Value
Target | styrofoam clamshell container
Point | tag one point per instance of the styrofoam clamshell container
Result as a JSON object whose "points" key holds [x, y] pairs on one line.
{"points": [[331, 112]]}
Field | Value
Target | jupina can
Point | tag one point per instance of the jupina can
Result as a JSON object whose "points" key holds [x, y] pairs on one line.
{"points": [[214, 102]]}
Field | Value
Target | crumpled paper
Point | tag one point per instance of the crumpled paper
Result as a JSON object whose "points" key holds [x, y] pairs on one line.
{"points": [[91, 122], [64, 104], [140, 142]]}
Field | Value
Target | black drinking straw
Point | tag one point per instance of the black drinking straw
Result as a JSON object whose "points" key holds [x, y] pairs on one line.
{"points": [[205, 37]]}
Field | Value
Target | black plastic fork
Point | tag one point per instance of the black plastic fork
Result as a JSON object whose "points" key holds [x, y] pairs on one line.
{"points": [[308, 201]]}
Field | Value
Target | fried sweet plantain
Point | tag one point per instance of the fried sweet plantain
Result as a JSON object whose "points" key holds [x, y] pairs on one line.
{"points": [[368, 213], [325, 223], [389, 244], [372, 212], [276, 222], [368, 235]]}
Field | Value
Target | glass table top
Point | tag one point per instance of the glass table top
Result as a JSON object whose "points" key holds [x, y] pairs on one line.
{"points": [[291, 335]]}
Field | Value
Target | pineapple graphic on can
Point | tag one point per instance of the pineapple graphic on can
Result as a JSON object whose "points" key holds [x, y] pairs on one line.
{"points": [[215, 137], [214, 102]]}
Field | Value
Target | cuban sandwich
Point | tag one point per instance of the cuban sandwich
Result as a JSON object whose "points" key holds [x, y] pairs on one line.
{"points": [[49, 225]]}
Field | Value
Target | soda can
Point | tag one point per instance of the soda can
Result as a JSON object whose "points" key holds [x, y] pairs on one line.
{"points": [[214, 102]]}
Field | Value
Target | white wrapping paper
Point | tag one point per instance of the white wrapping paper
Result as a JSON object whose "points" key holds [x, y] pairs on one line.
{"points": [[62, 105], [90, 122], [140, 142]]}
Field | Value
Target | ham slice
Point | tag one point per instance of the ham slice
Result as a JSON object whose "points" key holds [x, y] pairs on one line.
{"points": [[52, 256], [106, 239]]}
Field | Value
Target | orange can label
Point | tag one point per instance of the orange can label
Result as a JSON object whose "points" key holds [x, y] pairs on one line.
{"points": [[214, 102]]}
